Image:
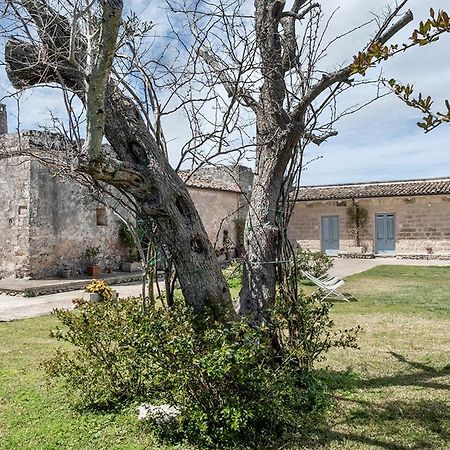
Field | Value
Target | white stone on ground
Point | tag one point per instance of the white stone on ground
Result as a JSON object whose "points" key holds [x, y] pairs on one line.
{"points": [[159, 414]]}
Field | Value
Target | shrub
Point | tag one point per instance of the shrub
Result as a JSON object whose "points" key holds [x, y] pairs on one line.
{"points": [[127, 240], [316, 263], [304, 330], [232, 385]]}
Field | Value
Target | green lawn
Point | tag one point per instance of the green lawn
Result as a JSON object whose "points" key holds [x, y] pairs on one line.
{"points": [[396, 394], [393, 393]]}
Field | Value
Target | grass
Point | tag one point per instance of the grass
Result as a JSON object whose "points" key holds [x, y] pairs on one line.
{"points": [[37, 415], [392, 393]]}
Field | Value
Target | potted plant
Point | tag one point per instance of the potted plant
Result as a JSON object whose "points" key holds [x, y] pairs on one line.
{"points": [[132, 265], [91, 254], [99, 291], [66, 271]]}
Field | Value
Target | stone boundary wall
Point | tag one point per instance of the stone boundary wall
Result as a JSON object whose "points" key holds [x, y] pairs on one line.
{"points": [[63, 224], [48, 223]]}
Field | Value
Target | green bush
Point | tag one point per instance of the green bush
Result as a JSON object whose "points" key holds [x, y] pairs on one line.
{"points": [[316, 263], [304, 331], [233, 386]]}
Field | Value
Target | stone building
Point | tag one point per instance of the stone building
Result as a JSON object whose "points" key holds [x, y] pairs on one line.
{"points": [[47, 223], [221, 197], [403, 218]]}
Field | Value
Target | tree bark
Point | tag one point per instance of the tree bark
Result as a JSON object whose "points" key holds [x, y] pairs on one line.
{"points": [[261, 237], [275, 139]]}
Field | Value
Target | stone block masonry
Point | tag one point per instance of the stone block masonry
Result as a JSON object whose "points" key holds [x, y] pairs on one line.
{"points": [[422, 224], [14, 217], [48, 223]]}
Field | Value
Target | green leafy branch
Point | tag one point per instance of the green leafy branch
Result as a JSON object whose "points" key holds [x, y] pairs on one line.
{"points": [[427, 32], [431, 119]]}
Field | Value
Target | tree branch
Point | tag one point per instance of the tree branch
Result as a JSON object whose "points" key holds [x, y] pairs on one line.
{"points": [[344, 74], [232, 88], [297, 5], [396, 27], [98, 78], [302, 14], [388, 20], [319, 139]]}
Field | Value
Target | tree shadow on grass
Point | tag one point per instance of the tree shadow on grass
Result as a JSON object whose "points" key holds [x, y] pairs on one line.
{"points": [[393, 425], [389, 424], [422, 376]]}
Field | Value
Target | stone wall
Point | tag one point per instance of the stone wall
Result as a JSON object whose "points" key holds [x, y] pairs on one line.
{"points": [[218, 210], [239, 176], [63, 224], [14, 217], [48, 223], [422, 223]]}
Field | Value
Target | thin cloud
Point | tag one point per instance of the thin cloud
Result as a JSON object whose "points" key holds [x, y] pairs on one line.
{"points": [[379, 142]]}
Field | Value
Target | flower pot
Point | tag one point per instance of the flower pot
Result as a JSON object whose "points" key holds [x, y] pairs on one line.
{"points": [[94, 271], [131, 266], [65, 272], [93, 297]]}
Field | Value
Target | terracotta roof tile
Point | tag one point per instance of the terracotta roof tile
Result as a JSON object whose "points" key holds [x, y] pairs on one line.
{"points": [[435, 186], [198, 181]]}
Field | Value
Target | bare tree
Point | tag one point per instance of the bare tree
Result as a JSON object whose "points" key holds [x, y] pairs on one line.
{"points": [[266, 64], [261, 66], [73, 45]]}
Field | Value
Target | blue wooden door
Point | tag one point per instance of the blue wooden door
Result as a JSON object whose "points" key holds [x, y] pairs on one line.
{"points": [[330, 234], [385, 233]]}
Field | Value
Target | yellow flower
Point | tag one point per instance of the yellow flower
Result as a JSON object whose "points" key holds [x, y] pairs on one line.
{"points": [[100, 287]]}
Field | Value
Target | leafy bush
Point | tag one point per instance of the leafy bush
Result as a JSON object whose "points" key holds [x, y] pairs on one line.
{"points": [[127, 240], [233, 386], [304, 330], [316, 263]]}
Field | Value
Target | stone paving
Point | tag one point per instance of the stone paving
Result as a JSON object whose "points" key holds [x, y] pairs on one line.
{"points": [[51, 286], [343, 267], [19, 307]]}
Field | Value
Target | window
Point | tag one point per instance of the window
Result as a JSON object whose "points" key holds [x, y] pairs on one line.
{"points": [[102, 216]]}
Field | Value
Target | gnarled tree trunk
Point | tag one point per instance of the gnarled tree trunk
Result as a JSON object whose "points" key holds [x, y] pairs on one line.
{"points": [[141, 169], [276, 138]]}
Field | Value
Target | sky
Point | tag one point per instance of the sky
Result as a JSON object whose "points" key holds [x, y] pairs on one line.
{"points": [[380, 142]]}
